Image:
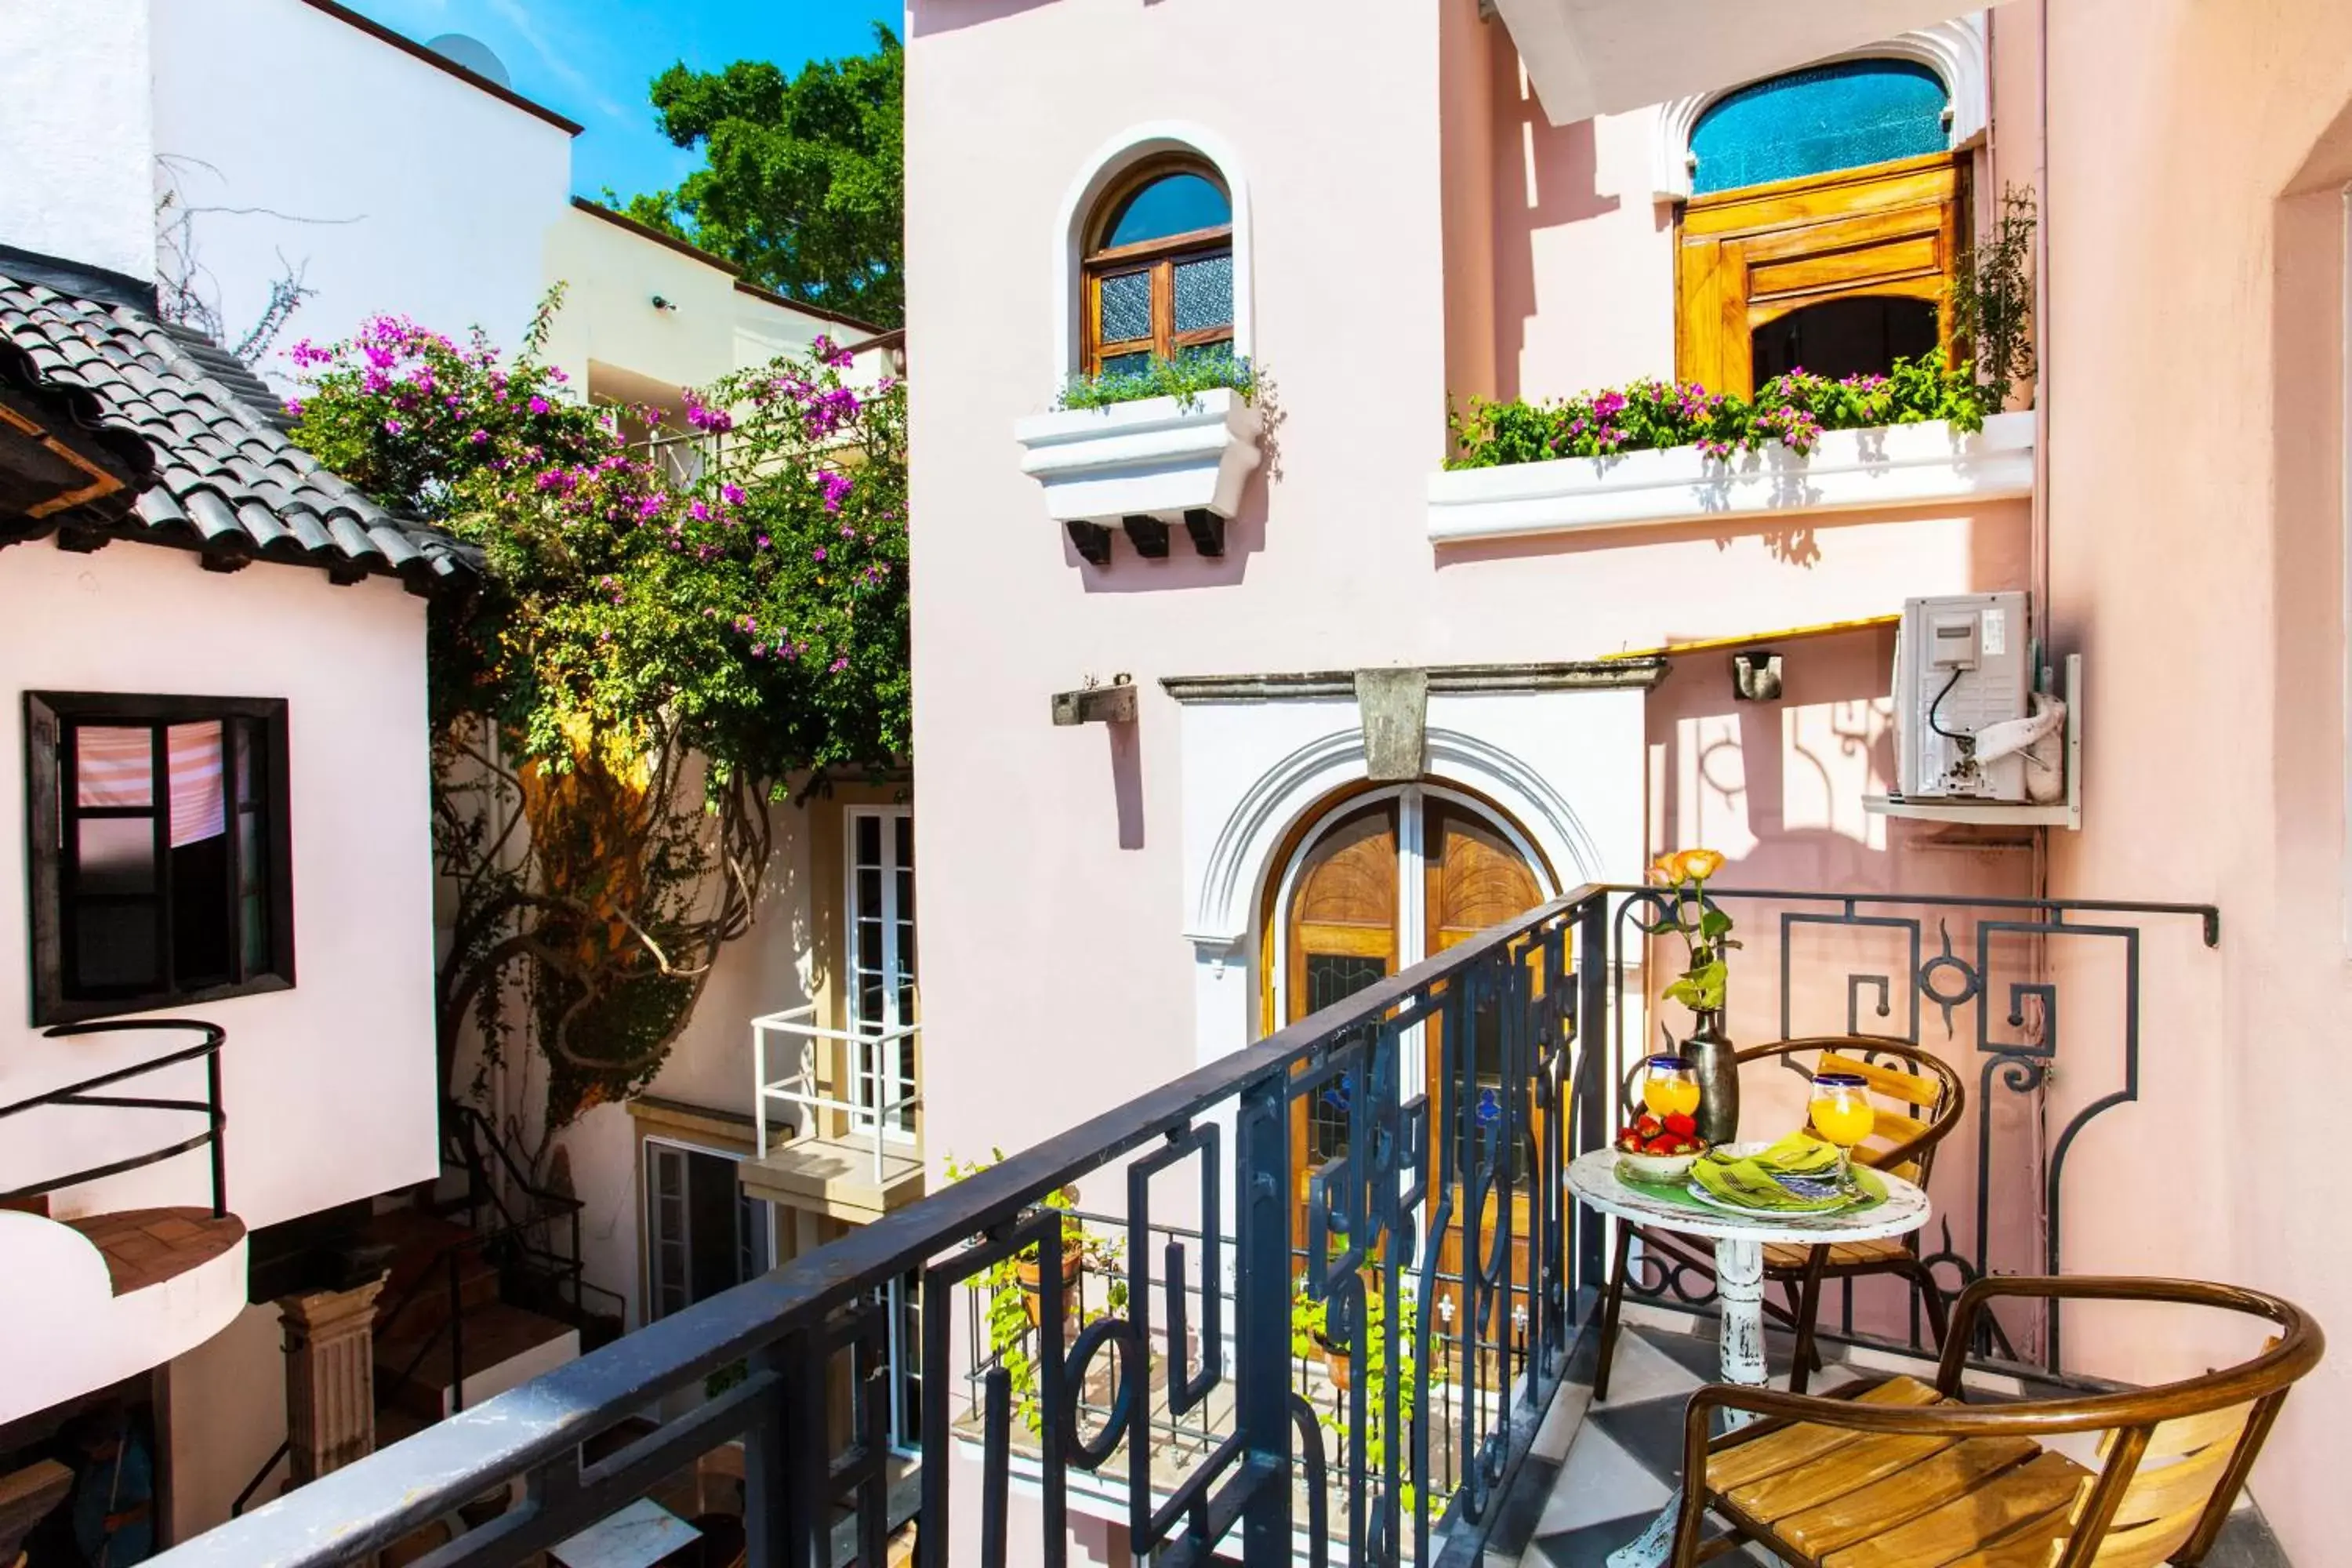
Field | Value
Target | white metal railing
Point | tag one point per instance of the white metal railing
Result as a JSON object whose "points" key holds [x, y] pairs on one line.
{"points": [[870, 1105], [680, 458]]}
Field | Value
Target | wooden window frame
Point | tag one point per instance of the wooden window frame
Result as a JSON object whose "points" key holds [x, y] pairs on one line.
{"points": [[1745, 259], [1159, 259], [47, 715]]}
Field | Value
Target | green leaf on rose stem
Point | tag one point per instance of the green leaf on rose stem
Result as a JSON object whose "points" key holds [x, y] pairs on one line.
{"points": [[1713, 924]]}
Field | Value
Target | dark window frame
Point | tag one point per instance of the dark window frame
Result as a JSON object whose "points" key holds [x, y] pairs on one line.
{"points": [[48, 716], [1158, 258]]}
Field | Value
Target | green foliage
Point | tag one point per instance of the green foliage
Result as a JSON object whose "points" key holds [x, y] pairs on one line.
{"points": [[1791, 411], [1183, 378], [804, 180], [643, 667], [1705, 928], [1992, 297], [1310, 1335], [1011, 1338]]}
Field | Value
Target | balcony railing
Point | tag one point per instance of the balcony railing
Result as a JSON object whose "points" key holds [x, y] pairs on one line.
{"points": [[879, 1101], [681, 459], [1430, 1232]]}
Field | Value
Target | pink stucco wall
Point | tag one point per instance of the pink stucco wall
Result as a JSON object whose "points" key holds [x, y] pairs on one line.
{"points": [[1329, 566], [1509, 258], [2196, 155]]}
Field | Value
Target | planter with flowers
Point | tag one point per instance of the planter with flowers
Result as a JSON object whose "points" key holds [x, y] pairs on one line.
{"points": [[1169, 446], [1684, 910], [1662, 452]]}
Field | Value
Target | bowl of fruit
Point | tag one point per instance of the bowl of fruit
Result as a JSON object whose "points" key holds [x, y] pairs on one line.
{"points": [[1659, 1149]]}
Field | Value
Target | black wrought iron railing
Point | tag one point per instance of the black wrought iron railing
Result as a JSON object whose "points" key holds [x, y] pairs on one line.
{"points": [[1347, 1269], [1443, 1187], [84, 1094], [1984, 982]]}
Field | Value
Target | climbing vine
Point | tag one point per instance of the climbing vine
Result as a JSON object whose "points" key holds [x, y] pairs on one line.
{"points": [[662, 644]]}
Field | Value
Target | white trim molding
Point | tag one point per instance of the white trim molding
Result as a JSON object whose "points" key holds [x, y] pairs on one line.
{"points": [[1567, 765], [1498, 747], [1157, 457], [1959, 52], [1111, 160], [1886, 469]]}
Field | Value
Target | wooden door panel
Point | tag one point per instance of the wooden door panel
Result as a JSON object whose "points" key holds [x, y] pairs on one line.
{"points": [[1930, 181], [1863, 268], [1744, 257]]}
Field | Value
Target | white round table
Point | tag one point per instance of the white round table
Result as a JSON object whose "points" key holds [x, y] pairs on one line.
{"points": [[1739, 1242]]}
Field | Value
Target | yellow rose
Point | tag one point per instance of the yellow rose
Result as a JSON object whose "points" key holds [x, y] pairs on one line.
{"points": [[1698, 865], [1666, 870]]}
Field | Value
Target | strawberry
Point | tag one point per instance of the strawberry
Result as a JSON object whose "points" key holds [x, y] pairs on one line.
{"points": [[1678, 1123]]}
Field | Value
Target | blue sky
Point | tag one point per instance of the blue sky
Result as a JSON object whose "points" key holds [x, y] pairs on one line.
{"points": [[591, 59]]}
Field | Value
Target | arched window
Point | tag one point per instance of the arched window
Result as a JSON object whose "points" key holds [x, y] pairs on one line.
{"points": [[1817, 122], [1159, 271]]}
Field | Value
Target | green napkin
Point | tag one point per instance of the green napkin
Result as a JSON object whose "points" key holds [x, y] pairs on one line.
{"points": [[1747, 1182]]}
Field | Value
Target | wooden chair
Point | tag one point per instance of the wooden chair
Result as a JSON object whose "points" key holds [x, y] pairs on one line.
{"points": [[1927, 1098], [1895, 1473]]}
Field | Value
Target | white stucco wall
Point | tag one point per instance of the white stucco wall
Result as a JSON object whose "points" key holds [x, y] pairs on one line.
{"points": [[390, 183], [611, 276], [77, 134], [329, 1086]]}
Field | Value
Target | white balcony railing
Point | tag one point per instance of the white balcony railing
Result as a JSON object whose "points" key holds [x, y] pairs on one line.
{"points": [[882, 1095], [681, 459]]}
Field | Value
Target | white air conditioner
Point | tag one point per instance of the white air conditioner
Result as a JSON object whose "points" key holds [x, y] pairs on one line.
{"points": [[1963, 663]]}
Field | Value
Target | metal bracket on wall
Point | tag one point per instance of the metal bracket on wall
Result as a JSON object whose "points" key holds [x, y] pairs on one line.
{"points": [[1093, 704]]}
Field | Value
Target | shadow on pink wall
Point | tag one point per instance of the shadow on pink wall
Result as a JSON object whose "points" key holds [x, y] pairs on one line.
{"points": [[1545, 176]]}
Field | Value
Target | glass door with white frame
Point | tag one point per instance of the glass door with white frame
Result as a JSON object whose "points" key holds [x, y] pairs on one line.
{"points": [[881, 931], [702, 1234]]}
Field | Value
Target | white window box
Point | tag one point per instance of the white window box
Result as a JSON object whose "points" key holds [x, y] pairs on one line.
{"points": [[1157, 457], [1849, 470]]}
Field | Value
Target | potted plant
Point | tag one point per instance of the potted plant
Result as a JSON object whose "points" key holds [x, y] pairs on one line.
{"points": [[1309, 1338], [1014, 1291]]}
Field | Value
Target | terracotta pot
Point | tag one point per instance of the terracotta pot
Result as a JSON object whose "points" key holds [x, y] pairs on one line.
{"points": [[1336, 1363], [1031, 1273]]}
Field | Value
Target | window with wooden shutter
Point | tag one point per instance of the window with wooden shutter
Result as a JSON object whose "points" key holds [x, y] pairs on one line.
{"points": [[1838, 274]]}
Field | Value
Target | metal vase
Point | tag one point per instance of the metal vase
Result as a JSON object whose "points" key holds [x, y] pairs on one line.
{"points": [[1716, 1061]]}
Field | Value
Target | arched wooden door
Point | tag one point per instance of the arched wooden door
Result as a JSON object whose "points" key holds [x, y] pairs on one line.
{"points": [[1379, 885]]}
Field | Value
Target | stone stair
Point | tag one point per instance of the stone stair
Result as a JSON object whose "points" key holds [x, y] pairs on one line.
{"points": [[439, 1281]]}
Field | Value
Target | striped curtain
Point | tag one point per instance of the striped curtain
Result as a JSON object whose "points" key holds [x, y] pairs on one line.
{"points": [[116, 768]]}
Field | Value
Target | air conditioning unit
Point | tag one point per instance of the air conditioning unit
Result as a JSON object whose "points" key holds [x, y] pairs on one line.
{"points": [[1963, 663]]}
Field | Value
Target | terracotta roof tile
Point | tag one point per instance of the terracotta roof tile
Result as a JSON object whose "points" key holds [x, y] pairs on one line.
{"points": [[226, 476]]}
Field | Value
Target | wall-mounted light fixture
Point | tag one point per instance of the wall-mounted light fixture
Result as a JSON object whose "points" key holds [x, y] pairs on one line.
{"points": [[663, 303]]}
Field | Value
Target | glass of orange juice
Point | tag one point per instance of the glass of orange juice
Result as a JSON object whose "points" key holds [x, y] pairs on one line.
{"points": [[1841, 1115], [1670, 1087]]}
